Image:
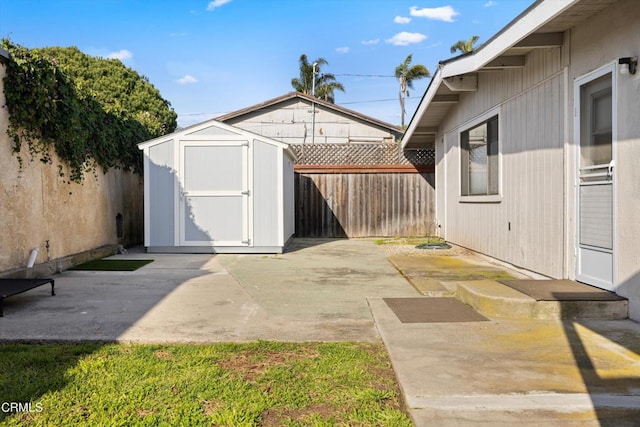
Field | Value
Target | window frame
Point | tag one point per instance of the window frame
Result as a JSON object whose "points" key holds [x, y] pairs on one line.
{"points": [[489, 197]]}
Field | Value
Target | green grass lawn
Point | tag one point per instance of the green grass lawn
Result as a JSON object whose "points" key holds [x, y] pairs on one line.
{"points": [[262, 383]]}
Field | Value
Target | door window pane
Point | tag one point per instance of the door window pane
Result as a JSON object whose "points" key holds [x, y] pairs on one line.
{"points": [[596, 122]]}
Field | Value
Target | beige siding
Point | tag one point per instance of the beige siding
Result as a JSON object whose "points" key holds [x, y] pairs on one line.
{"points": [[526, 226], [292, 123], [606, 37]]}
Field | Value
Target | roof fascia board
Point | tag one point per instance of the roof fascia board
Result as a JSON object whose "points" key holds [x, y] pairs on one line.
{"points": [[526, 23], [523, 26], [436, 80]]}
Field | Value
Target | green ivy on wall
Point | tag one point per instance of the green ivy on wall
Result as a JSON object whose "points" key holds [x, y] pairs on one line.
{"points": [[91, 111]]}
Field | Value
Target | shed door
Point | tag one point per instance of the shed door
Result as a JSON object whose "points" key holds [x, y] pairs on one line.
{"points": [[214, 198], [595, 246]]}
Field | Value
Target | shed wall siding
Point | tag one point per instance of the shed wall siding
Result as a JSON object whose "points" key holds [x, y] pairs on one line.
{"points": [[161, 194], [526, 227], [265, 194], [288, 198]]}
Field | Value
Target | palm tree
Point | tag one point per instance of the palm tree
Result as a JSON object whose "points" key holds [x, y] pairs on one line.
{"points": [[406, 75], [325, 85], [465, 46]]}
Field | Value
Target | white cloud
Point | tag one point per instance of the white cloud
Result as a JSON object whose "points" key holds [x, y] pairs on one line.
{"points": [[344, 49], [401, 20], [490, 3], [187, 79], [217, 3], [444, 13], [121, 55], [404, 38], [370, 42]]}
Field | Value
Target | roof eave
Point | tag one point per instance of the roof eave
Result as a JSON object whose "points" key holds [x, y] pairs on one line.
{"points": [[534, 17]]}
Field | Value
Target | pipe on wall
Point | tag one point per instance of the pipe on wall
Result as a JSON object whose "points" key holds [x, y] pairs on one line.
{"points": [[32, 257]]}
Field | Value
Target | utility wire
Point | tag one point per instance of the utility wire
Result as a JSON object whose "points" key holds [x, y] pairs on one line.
{"points": [[366, 102], [365, 75]]}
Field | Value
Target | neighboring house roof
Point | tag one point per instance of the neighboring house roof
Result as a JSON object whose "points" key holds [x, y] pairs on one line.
{"points": [[214, 128], [275, 102], [540, 26]]}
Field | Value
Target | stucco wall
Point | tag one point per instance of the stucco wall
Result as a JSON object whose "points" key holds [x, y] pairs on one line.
{"points": [[591, 50], [37, 205]]}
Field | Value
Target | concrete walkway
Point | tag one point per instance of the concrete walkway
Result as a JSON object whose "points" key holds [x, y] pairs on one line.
{"points": [[315, 292], [496, 372]]}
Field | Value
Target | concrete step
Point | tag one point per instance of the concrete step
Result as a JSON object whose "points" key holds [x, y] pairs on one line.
{"points": [[496, 300]]}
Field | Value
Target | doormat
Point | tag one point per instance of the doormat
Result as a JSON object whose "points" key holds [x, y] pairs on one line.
{"points": [[113, 264], [560, 290], [432, 310]]}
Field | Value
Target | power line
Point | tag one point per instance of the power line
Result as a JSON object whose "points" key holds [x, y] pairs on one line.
{"points": [[367, 102], [365, 75]]}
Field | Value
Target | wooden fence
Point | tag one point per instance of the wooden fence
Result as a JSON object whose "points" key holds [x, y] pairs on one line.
{"points": [[364, 202]]}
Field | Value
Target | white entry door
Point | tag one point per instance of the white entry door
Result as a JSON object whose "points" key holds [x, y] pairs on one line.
{"points": [[596, 180], [214, 193]]}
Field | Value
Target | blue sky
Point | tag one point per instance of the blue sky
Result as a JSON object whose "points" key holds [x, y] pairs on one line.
{"points": [[212, 57]]}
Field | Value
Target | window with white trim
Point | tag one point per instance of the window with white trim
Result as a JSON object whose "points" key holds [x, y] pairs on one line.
{"points": [[479, 163]]}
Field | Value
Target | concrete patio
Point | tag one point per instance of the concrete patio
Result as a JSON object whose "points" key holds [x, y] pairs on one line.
{"points": [[494, 372]]}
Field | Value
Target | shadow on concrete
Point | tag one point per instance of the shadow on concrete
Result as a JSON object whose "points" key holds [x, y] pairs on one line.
{"points": [[302, 243], [613, 389]]}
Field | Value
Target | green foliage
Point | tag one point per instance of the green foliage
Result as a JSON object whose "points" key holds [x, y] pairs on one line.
{"points": [[325, 83], [465, 46], [91, 111], [406, 74]]}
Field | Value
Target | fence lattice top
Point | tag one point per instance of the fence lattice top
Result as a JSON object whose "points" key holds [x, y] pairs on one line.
{"points": [[361, 154]]}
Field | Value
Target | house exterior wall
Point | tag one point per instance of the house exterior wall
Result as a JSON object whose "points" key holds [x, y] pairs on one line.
{"points": [[590, 50], [525, 225], [291, 122], [533, 222], [38, 205]]}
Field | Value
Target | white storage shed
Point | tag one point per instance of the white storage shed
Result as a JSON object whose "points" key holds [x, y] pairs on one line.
{"points": [[214, 188]]}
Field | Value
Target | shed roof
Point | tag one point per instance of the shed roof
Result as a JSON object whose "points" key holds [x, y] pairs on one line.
{"points": [[274, 103], [219, 130], [540, 26]]}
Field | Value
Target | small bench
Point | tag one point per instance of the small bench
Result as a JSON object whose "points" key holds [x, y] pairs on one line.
{"points": [[10, 287]]}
